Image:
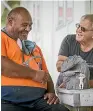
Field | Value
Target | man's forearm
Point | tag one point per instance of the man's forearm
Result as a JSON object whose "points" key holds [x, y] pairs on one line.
{"points": [[60, 61], [11, 69], [50, 85]]}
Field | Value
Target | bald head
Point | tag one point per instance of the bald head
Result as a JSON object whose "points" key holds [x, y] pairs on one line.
{"points": [[18, 11]]}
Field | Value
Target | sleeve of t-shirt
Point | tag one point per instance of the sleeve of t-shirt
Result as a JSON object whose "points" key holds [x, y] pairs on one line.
{"points": [[3, 46], [64, 48], [44, 66]]}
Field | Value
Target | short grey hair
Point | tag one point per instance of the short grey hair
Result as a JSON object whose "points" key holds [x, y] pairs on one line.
{"points": [[88, 17]]}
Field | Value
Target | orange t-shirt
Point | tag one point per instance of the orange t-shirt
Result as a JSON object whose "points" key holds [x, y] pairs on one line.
{"points": [[10, 49]]}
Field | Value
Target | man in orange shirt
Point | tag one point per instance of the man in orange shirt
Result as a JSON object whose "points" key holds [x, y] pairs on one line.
{"points": [[26, 83]]}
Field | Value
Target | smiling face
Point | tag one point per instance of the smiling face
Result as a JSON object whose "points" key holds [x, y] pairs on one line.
{"points": [[84, 31], [21, 26], [19, 23]]}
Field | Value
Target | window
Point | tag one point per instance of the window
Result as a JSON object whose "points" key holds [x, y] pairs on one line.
{"points": [[65, 13], [60, 13], [69, 11]]}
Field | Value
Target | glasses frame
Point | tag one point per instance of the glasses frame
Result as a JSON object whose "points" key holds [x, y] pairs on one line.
{"points": [[82, 28]]}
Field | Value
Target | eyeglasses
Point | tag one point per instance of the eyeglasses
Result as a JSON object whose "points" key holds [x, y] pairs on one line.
{"points": [[82, 28]]}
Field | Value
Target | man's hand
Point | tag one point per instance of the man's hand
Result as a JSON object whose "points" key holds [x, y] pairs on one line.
{"points": [[91, 83], [62, 85], [58, 65], [41, 76], [51, 98], [60, 61]]}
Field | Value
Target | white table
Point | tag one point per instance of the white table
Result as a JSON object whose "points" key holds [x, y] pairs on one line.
{"points": [[76, 98]]}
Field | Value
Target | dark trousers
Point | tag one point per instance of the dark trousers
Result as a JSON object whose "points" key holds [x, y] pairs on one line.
{"points": [[38, 105]]}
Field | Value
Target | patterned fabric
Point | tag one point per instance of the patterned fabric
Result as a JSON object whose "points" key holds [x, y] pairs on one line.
{"points": [[70, 73], [28, 46]]}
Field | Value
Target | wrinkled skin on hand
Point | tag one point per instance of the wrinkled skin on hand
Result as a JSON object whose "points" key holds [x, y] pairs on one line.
{"points": [[51, 98]]}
